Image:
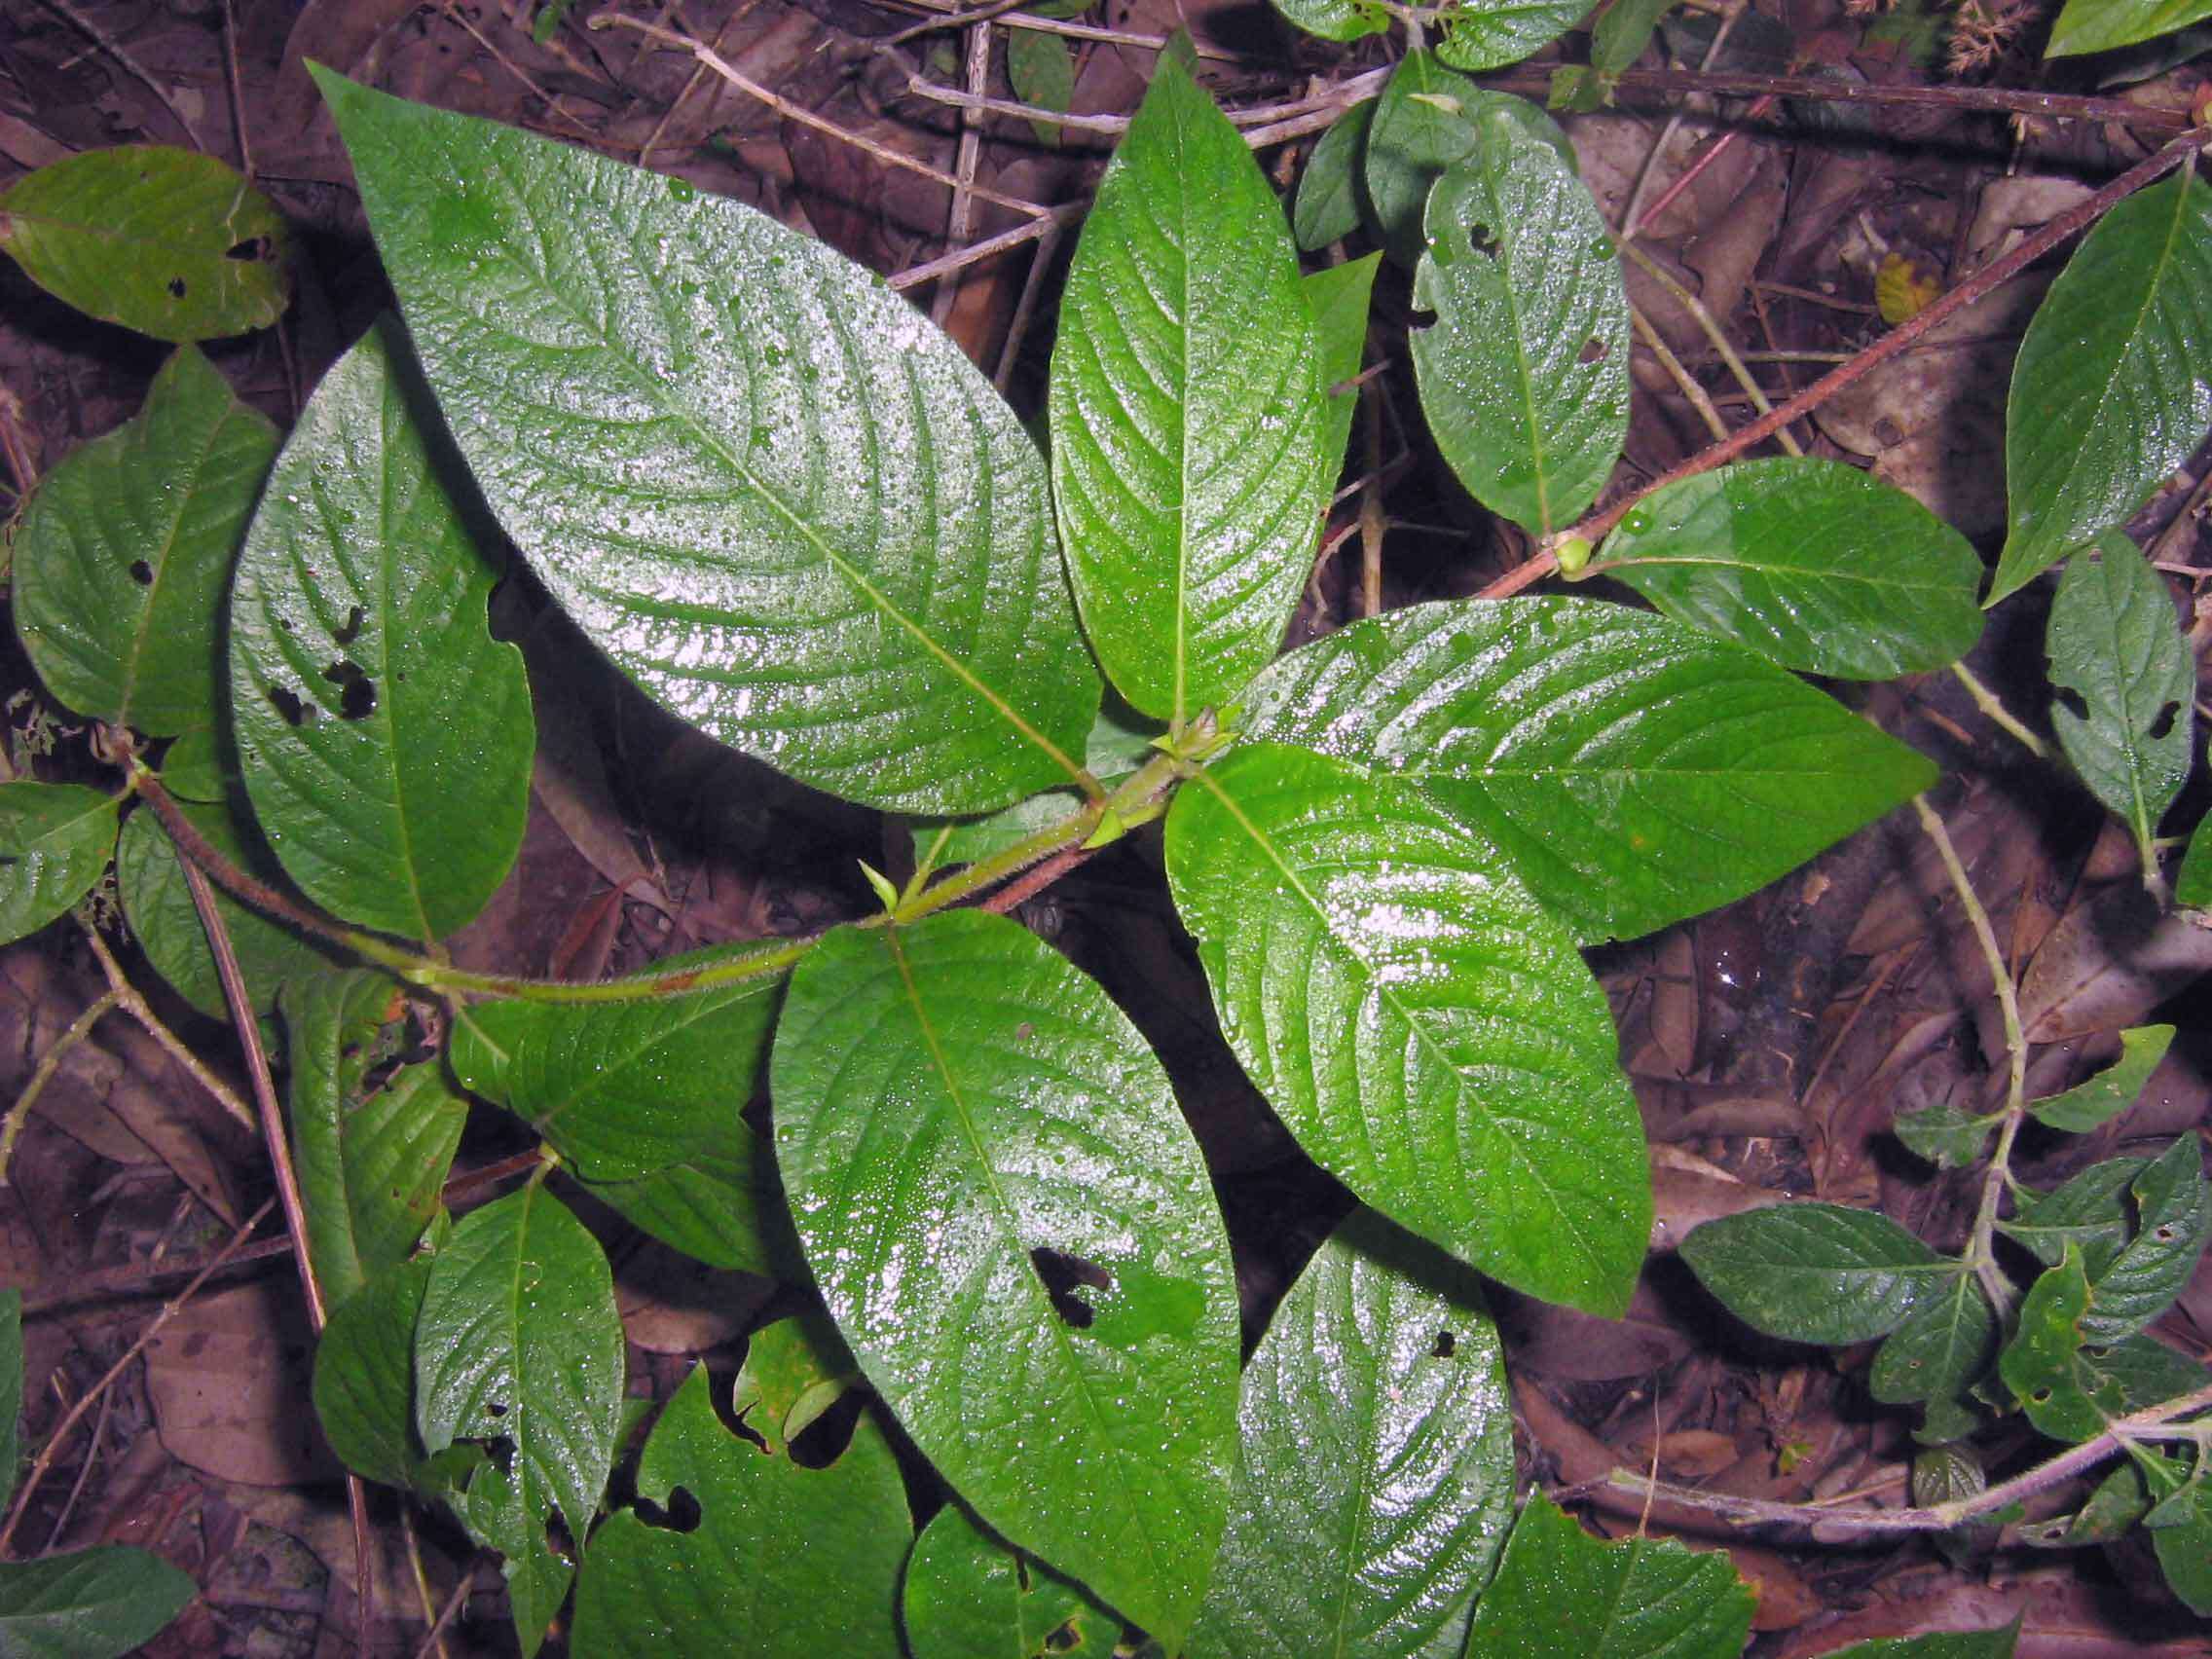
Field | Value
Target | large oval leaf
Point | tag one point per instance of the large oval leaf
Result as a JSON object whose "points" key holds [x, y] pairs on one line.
{"points": [[1427, 1032], [54, 841], [1811, 563], [1335, 20], [1011, 1223], [1814, 1272], [2113, 387], [125, 552], [759, 480], [171, 242], [970, 1596], [1524, 377], [1186, 411], [90, 1604], [1425, 121], [1376, 1478], [384, 735], [1635, 771]]}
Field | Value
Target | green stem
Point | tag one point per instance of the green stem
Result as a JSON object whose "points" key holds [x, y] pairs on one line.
{"points": [[43, 1074], [1990, 704]]}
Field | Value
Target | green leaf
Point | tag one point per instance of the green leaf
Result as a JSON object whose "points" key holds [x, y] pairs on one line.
{"points": [[384, 736], [2113, 386], [2174, 1218], [795, 1370], [783, 1559], [2070, 1385], [1524, 375], [759, 481], [54, 841], [1339, 296], [1427, 120], [718, 1204], [1995, 1644], [1940, 1346], [1326, 209], [1376, 1478], [1431, 1037], [2097, 1100], [2100, 26], [1489, 34], [1041, 68], [158, 905], [519, 1341], [622, 1089], [1635, 772], [1944, 1135], [11, 1389], [1186, 412], [1013, 1229], [1623, 32], [2193, 887], [1121, 741], [125, 552], [171, 242], [1814, 1272], [507, 1510], [970, 1596], [1335, 20], [2126, 711], [1566, 1594], [373, 1137], [95, 1603], [2090, 1211], [198, 766], [1944, 1474], [2182, 1536], [1812, 563], [365, 1386]]}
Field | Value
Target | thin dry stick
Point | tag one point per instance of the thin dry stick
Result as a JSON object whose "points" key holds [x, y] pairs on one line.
{"points": [[1025, 309], [435, 1642], [43, 1074], [169, 1310], [1715, 335], [1684, 382], [1007, 16], [138, 71], [515, 69], [127, 998], [913, 277], [231, 80], [1632, 217], [960, 221], [1990, 704]]}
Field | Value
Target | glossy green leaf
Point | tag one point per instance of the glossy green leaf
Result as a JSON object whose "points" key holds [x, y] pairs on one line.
{"points": [[1120, 742], [519, 1341], [1428, 119], [970, 1596], [2181, 1529], [1489, 34], [1944, 1135], [1339, 296], [783, 1559], [1940, 1346], [1041, 67], [2090, 1211], [1186, 412], [54, 841], [718, 1204], [2173, 1220], [1623, 32], [365, 1386], [95, 1603], [2097, 1100], [158, 905], [1012, 1226], [1634, 771], [171, 242], [198, 766], [1326, 209], [506, 1510], [2100, 26], [2070, 1385], [1561, 1594], [384, 736], [2193, 886], [1377, 1479], [783, 502], [795, 1370], [2113, 386], [1995, 1644], [1335, 20], [125, 551], [1815, 1272], [1524, 375], [373, 1137], [1813, 563], [622, 1089], [1428, 1033], [11, 1389], [2125, 711]]}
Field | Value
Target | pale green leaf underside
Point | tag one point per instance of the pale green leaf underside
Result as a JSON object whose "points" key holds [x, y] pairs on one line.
{"points": [[2100, 26], [1427, 1032], [965, 1597], [1326, 208], [1376, 1478], [1634, 771], [1524, 375], [54, 841], [1186, 411], [951, 1099], [125, 552], [763, 482], [1811, 563], [2113, 387], [1489, 34], [384, 735], [95, 1603]]}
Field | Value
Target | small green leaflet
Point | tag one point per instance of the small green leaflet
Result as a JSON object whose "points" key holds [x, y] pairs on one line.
{"points": [[1561, 1594], [2091, 1210], [2070, 1386], [1186, 412], [365, 1386], [171, 242], [2113, 386], [1121, 741], [1014, 1229], [2125, 711], [1489, 34], [2193, 887], [1812, 563], [2181, 1525], [2097, 1100], [1339, 296], [1815, 1272], [124, 550], [54, 841], [1041, 67], [795, 1370], [2100, 26], [1326, 209], [2173, 1220], [970, 1596], [783, 502], [384, 735], [95, 1603], [1623, 31], [1944, 1135], [1377, 1479], [1335, 20], [783, 1559], [1431, 1037]]}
